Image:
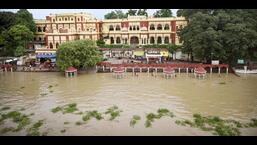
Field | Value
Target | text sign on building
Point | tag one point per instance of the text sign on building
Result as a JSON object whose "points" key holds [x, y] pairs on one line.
{"points": [[240, 61], [153, 52], [215, 62]]}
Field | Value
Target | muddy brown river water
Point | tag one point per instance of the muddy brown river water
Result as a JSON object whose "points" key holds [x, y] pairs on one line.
{"points": [[227, 96]]}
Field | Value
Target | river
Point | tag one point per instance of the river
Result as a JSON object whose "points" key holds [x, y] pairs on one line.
{"points": [[227, 96]]}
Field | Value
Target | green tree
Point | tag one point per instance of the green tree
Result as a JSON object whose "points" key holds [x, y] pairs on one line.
{"points": [[24, 17], [7, 19], [132, 12], [117, 14], [100, 42], [79, 54], [163, 13], [142, 12]]}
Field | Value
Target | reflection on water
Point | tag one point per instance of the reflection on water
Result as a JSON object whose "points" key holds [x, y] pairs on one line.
{"points": [[227, 96]]}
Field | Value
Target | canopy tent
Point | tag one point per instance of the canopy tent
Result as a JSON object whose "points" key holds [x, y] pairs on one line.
{"points": [[47, 55]]}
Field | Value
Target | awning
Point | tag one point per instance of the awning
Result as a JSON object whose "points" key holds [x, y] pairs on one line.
{"points": [[46, 56]]}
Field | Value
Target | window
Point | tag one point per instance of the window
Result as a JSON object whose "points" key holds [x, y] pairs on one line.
{"points": [[134, 27], [51, 45], [167, 27], [53, 20], [137, 27], [166, 40], [152, 27], [35, 39], [159, 27], [40, 39], [130, 28], [180, 41], [118, 40], [159, 40], [112, 40], [44, 29], [72, 19], [152, 40], [60, 19], [39, 29], [66, 19], [180, 27], [117, 28], [78, 19], [177, 27], [126, 40], [57, 45], [111, 28]]}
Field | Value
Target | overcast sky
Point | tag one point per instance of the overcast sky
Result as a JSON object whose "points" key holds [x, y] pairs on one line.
{"points": [[98, 13]]}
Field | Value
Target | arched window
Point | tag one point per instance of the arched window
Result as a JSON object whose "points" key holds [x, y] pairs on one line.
{"points": [[152, 27], [137, 27], [39, 38], [130, 28], [112, 40], [167, 27], [39, 29], [152, 40], [166, 40], [111, 28], [57, 45], [118, 40], [51, 45], [159, 27], [66, 19], [44, 29], [134, 27], [118, 28], [134, 40], [126, 40], [159, 40]]}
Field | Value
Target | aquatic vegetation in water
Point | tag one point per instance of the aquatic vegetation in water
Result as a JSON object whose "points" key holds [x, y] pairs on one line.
{"points": [[22, 109], [51, 91], [95, 114], [253, 123], [22, 87], [222, 83], [214, 124], [66, 122], [69, 108], [134, 120], [50, 86], [5, 108], [161, 112], [21, 119], [79, 123], [114, 112], [34, 130], [31, 114], [6, 129], [56, 109], [43, 94], [79, 113], [63, 131]]}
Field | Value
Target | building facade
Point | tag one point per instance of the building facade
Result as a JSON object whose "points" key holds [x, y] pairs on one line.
{"points": [[134, 30]]}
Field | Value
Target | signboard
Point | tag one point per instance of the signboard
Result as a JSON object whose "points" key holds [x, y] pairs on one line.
{"points": [[215, 62], [153, 52], [240, 61]]}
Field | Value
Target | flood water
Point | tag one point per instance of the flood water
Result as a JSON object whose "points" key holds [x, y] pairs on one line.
{"points": [[138, 95]]}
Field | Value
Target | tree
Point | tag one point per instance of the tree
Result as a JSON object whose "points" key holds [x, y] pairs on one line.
{"points": [[24, 17], [79, 54], [163, 13], [142, 12], [100, 42], [7, 19], [117, 14], [131, 12], [16, 37]]}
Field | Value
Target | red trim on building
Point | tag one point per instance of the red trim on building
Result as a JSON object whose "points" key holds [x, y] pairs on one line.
{"points": [[173, 38], [173, 26]]}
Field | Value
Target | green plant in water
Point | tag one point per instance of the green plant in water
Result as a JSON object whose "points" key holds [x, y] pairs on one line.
{"points": [[51, 91], [222, 83], [114, 112], [253, 123], [164, 112], [66, 122], [31, 114], [34, 130], [43, 94], [56, 109], [7, 129], [22, 87], [148, 123], [63, 131], [79, 123], [91, 114], [134, 120], [5, 108], [50, 86], [22, 109], [70, 108]]}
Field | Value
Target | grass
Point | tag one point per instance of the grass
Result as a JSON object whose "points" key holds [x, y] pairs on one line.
{"points": [[34, 130], [92, 114], [134, 120], [114, 112], [5, 108]]}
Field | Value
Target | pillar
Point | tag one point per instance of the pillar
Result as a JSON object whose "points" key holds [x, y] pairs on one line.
{"points": [[219, 70], [103, 68], [140, 69], [179, 70], [156, 71], [148, 70], [211, 70], [187, 70], [227, 70], [133, 70]]}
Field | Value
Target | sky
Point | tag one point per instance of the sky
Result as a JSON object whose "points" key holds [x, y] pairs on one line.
{"points": [[98, 13]]}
